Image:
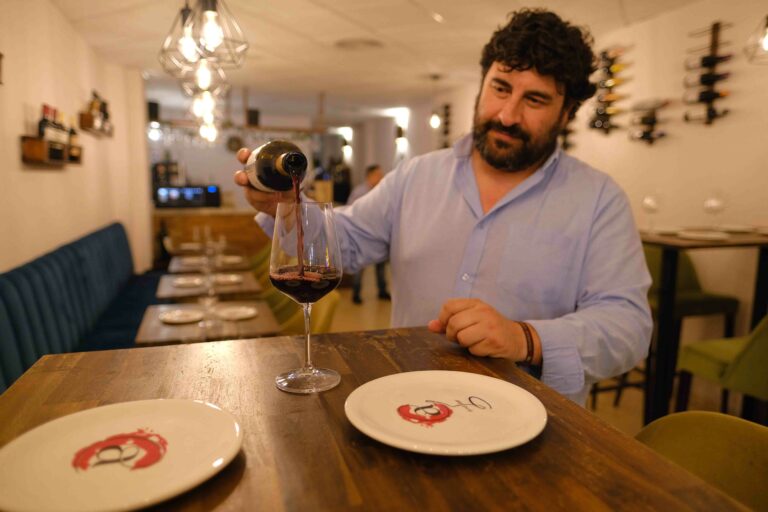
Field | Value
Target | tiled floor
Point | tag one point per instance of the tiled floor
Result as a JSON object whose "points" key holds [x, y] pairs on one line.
{"points": [[627, 417]]}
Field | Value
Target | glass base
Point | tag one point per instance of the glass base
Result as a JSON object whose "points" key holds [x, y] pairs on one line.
{"points": [[308, 380]]}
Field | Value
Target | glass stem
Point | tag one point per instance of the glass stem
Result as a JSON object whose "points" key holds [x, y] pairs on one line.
{"points": [[308, 332]]}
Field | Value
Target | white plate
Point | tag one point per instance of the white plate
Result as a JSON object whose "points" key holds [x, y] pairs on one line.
{"points": [[234, 313], [188, 282], [181, 316], [228, 278], [446, 412], [667, 230], [230, 259], [190, 246], [173, 446], [736, 228], [703, 235], [191, 261]]}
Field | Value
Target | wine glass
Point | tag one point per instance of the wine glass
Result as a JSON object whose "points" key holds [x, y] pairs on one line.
{"points": [[305, 265], [209, 323], [651, 204], [714, 204]]}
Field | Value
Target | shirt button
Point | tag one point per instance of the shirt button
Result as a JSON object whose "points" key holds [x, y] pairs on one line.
{"points": [[465, 277]]}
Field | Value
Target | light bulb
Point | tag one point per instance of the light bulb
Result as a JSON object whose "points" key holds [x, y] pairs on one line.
{"points": [[203, 104], [765, 40], [212, 35], [434, 121], [207, 117], [203, 75], [209, 132], [187, 46]]}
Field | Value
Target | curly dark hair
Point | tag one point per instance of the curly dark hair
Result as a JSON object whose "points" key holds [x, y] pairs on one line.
{"points": [[540, 39]]}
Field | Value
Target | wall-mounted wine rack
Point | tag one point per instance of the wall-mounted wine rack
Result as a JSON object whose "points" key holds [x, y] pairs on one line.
{"points": [[701, 83], [610, 68], [645, 119]]}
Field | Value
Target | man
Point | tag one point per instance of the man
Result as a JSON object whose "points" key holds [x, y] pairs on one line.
{"points": [[504, 243], [373, 175]]}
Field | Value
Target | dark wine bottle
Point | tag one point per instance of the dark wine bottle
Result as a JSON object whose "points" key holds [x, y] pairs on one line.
{"points": [[272, 167], [44, 126], [704, 79], [706, 61], [705, 96]]}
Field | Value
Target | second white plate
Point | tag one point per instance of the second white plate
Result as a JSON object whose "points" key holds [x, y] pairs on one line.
{"points": [[117, 457], [446, 412], [235, 313], [181, 316], [714, 236]]}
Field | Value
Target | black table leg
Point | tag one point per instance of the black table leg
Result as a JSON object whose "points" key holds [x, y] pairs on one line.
{"points": [[751, 408], [760, 304], [661, 372]]}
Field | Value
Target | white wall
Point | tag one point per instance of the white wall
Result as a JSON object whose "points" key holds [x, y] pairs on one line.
{"points": [[46, 61], [731, 155]]}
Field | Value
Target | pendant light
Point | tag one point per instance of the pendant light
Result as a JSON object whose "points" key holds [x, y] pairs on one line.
{"points": [[757, 44], [179, 52], [205, 76], [434, 120], [217, 35]]}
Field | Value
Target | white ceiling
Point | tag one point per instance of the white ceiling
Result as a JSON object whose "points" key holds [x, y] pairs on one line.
{"points": [[292, 52]]}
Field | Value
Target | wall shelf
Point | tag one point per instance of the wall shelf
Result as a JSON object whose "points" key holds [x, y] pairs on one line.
{"points": [[94, 125], [42, 152]]}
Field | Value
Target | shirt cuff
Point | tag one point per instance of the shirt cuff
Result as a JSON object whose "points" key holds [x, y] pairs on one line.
{"points": [[561, 368], [266, 222]]}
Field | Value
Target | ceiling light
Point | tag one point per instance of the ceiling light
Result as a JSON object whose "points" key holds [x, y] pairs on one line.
{"points": [[757, 44], [179, 50], [216, 33], [204, 103], [205, 76], [434, 121], [209, 132]]}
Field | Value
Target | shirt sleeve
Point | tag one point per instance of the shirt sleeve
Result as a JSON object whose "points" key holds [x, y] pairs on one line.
{"points": [[365, 227], [610, 330]]}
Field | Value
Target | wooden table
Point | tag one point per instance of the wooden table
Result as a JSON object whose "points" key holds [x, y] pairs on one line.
{"points": [[154, 331], [166, 289], [301, 453], [662, 363], [187, 264]]}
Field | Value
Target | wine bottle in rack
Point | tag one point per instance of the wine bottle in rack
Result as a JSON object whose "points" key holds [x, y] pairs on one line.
{"points": [[605, 110], [611, 82], [610, 97], [704, 96], [706, 61], [705, 79], [45, 128]]}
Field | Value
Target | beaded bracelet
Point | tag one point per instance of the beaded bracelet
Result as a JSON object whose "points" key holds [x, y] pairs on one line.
{"points": [[528, 341]]}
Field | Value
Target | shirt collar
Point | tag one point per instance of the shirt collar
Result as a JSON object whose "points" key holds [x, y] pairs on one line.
{"points": [[465, 178]]}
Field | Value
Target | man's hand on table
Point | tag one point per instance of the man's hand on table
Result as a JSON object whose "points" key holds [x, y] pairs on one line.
{"points": [[263, 201], [477, 326]]}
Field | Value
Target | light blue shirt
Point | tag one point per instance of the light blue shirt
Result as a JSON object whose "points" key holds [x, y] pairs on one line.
{"points": [[560, 251]]}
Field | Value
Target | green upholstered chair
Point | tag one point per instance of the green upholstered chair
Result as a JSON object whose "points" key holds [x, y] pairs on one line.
{"points": [[737, 364], [322, 316], [727, 452], [690, 300]]}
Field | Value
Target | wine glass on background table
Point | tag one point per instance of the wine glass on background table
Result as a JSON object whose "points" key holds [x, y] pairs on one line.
{"points": [[305, 265], [651, 204], [714, 204]]}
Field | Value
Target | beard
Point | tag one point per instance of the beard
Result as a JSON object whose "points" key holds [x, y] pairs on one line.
{"points": [[504, 156]]}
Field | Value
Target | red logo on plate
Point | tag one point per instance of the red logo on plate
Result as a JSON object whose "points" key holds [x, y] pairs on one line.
{"points": [[437, 412], [136, 450], [426, 415]]}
